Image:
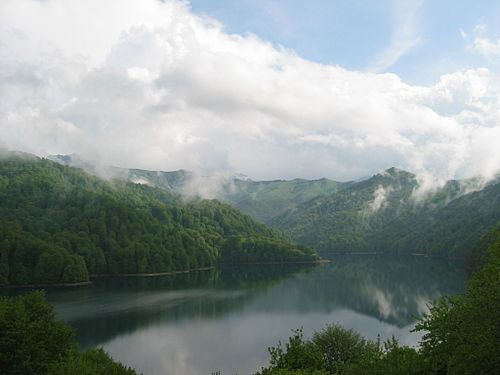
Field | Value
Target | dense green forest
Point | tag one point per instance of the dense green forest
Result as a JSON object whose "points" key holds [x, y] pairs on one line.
{"points": [[59, 224], [382, 213], [344, 221], [32, 341], [262, 200], [461, 337]]}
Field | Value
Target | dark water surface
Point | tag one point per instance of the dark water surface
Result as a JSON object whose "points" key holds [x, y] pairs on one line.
{"points": [[225, 319]]}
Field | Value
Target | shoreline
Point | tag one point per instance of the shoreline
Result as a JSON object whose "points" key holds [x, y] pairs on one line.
{"points": [[171, 273], [154, 274], [390, 254], [321, 261], [56, 285], [150, 274], [223, 264], [355, 253]]}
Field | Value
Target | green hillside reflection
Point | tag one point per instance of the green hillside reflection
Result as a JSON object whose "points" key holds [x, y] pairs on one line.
{"points": [[394, 291]]}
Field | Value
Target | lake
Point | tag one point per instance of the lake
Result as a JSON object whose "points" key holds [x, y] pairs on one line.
{"points": [[225, 319]]}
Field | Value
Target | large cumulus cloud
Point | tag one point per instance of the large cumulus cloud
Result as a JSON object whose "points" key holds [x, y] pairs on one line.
{"points": [[149, 84]]}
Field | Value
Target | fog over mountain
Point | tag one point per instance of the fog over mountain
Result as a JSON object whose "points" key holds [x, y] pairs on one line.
{"points": [[388, 212], [154, 85]]}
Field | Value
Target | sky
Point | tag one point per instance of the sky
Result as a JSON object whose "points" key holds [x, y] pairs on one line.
{"points": [[418, 40], [271, 89]]}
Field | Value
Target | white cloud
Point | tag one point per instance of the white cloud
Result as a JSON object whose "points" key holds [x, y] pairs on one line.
{"points": [[151, 85], [379, 201], [480, 28], [405, 35], [490, 48], [482, 44]]}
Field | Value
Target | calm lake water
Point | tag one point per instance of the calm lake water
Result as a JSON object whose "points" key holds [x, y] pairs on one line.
{"points": [[225, 319]]}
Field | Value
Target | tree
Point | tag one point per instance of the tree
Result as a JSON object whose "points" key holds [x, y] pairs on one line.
{"points": [[339, 348], [463, 333], [30, 337], [32, 341]]}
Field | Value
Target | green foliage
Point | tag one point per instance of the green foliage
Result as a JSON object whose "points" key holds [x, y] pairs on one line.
{"points": [[286, 371], [32, 341], [461, 337], [388, 359], [446, 225], [90, 362], [59, 224], [298, 354], [438, 324], [340, 348], [336, 350], [238, 249], [30, 338], [463, 334], [264, 200], [345, 220], [296, 357], [383, 214]]}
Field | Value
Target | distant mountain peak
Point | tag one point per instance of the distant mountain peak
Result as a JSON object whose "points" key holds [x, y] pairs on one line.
{"points": [[240, 176], [393, 170], [396, 173], [70, 159]]}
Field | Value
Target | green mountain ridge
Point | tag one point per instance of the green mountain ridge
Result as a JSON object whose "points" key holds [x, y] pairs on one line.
{"points": [[384, 214], [59, 224], [388, 212], [263, 200]]}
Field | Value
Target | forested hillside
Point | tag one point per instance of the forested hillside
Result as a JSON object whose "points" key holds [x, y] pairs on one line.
{"points": [[58, 225], [451, 229], [383, 214], [262, 200], [343, 221]]}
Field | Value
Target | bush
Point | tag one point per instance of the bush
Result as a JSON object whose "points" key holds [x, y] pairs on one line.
{"points": [[340, 348], [463, 333], [32, 341], [298, 354], [30, 337], [90, 362]]}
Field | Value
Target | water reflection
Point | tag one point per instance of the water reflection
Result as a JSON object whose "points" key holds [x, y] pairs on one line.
{"points": [[225, 319], [392, 290]]}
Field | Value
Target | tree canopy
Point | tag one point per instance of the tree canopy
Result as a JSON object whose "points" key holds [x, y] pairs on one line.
{"points": [[32, 341], [58, 225]]}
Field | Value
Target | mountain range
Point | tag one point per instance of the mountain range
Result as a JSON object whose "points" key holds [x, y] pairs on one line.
{"points": [[59, 224], [387, 212]]}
